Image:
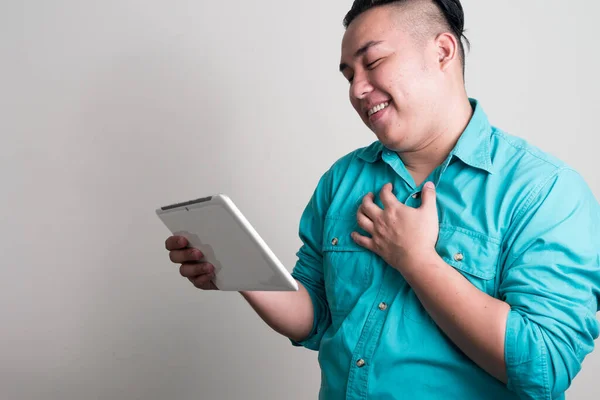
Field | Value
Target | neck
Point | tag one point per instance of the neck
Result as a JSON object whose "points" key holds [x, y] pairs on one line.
{"points": [[438, 145]]}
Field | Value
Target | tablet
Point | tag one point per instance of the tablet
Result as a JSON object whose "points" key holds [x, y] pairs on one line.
{"points": [[242, 259]]}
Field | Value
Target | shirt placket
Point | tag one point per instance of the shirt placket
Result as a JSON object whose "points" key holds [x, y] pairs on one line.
{"points": [[361, 362], [362, 358]]}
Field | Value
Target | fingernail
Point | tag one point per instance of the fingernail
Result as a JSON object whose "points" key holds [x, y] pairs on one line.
{"points": [[430, 185]]}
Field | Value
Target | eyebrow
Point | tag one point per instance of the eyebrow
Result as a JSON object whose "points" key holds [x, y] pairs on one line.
{"points": [[361, 51]]}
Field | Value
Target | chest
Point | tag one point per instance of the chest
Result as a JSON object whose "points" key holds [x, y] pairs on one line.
{"points": [[474, 211]]}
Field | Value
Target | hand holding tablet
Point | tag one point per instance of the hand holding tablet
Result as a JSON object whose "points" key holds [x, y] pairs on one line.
{"points": [[221, 244]]}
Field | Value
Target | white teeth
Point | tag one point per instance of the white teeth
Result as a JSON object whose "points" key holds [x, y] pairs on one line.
{"points": [[378, 108]]}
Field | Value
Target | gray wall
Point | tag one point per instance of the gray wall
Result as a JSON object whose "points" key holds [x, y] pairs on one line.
{"points": [[110, 109]]}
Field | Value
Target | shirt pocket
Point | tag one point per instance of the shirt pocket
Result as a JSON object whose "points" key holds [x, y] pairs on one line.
{"points": [[348, 267], [473, 254]]}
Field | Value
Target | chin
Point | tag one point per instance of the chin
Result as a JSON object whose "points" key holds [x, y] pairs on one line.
{"points": [[394, 142]]}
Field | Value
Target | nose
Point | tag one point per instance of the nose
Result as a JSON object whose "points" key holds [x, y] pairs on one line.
{"points": [[361, 88]]}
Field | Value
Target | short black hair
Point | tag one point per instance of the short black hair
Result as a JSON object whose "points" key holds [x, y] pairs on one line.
{"points": [[451, 10]]}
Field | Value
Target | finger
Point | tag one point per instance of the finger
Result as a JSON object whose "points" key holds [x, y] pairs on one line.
{"points": [[186, 255], [428, 197], [189, 270], [363, 241], [176, 243], [202, 281], [387, 196], [365, 222], [209, 286], [369, 208]]}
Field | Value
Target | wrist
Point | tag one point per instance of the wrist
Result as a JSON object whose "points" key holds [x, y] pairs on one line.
{"points": [[417, 260]]}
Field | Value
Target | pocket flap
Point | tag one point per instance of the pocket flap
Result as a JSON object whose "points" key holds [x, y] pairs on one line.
{"points": [[336, 235], [468, 251]]}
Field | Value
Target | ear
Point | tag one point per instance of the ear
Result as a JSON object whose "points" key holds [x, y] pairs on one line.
{"points": [[447, 50]]}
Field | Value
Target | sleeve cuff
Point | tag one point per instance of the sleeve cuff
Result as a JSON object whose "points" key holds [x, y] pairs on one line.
{"points": [[526, 359]]}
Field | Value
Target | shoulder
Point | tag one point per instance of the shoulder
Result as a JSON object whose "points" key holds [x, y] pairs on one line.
{"points": [[537, 175], [354, 160], [516, 152], [516, 161]]}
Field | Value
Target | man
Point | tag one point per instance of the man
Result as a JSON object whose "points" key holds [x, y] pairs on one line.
{"points": [[448, 260]]}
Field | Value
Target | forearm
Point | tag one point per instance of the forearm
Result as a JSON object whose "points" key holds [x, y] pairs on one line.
{"points": [[288, 313], [472, 319]]}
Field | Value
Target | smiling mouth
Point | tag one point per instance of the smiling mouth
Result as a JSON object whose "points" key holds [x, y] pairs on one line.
{"points": [[377, 108]]}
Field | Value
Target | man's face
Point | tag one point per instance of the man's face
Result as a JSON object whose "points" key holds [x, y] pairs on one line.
{"points": [[392, 78]]}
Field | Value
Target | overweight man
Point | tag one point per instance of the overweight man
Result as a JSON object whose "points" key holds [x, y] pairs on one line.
{"points": [[448, 259]]}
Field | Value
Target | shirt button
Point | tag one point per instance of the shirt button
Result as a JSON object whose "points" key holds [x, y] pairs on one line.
{"points": [[459, 257], [334, 241], [416, 195], [360, 363], [382, 306]]}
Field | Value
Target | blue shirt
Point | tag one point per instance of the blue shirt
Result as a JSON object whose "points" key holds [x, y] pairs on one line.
{"points": [[519, 224]]}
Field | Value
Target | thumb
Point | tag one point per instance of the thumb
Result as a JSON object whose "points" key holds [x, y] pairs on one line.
{"points": [[428, 196]]}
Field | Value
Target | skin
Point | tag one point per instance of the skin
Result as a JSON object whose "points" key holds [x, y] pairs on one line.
{"points": [[415, 65], [429, 109], [288, 313], [419, 71]]}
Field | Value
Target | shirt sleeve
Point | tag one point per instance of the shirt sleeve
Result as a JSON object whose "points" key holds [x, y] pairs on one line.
{"points": [[551, 280], [309, 266]]}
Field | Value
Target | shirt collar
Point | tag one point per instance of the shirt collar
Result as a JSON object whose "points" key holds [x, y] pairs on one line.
{"points": [[472, 148], [371, 153]]}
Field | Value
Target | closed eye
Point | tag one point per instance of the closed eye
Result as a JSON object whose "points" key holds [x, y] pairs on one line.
{"points": [[372, 65], [369, 66]]}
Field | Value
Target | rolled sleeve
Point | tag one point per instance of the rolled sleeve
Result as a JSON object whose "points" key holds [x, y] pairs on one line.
{"points": [[309, 266], [551, 280]]}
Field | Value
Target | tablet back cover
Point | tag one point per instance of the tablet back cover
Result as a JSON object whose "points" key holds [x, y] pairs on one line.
{"points": [[216, 227]]}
